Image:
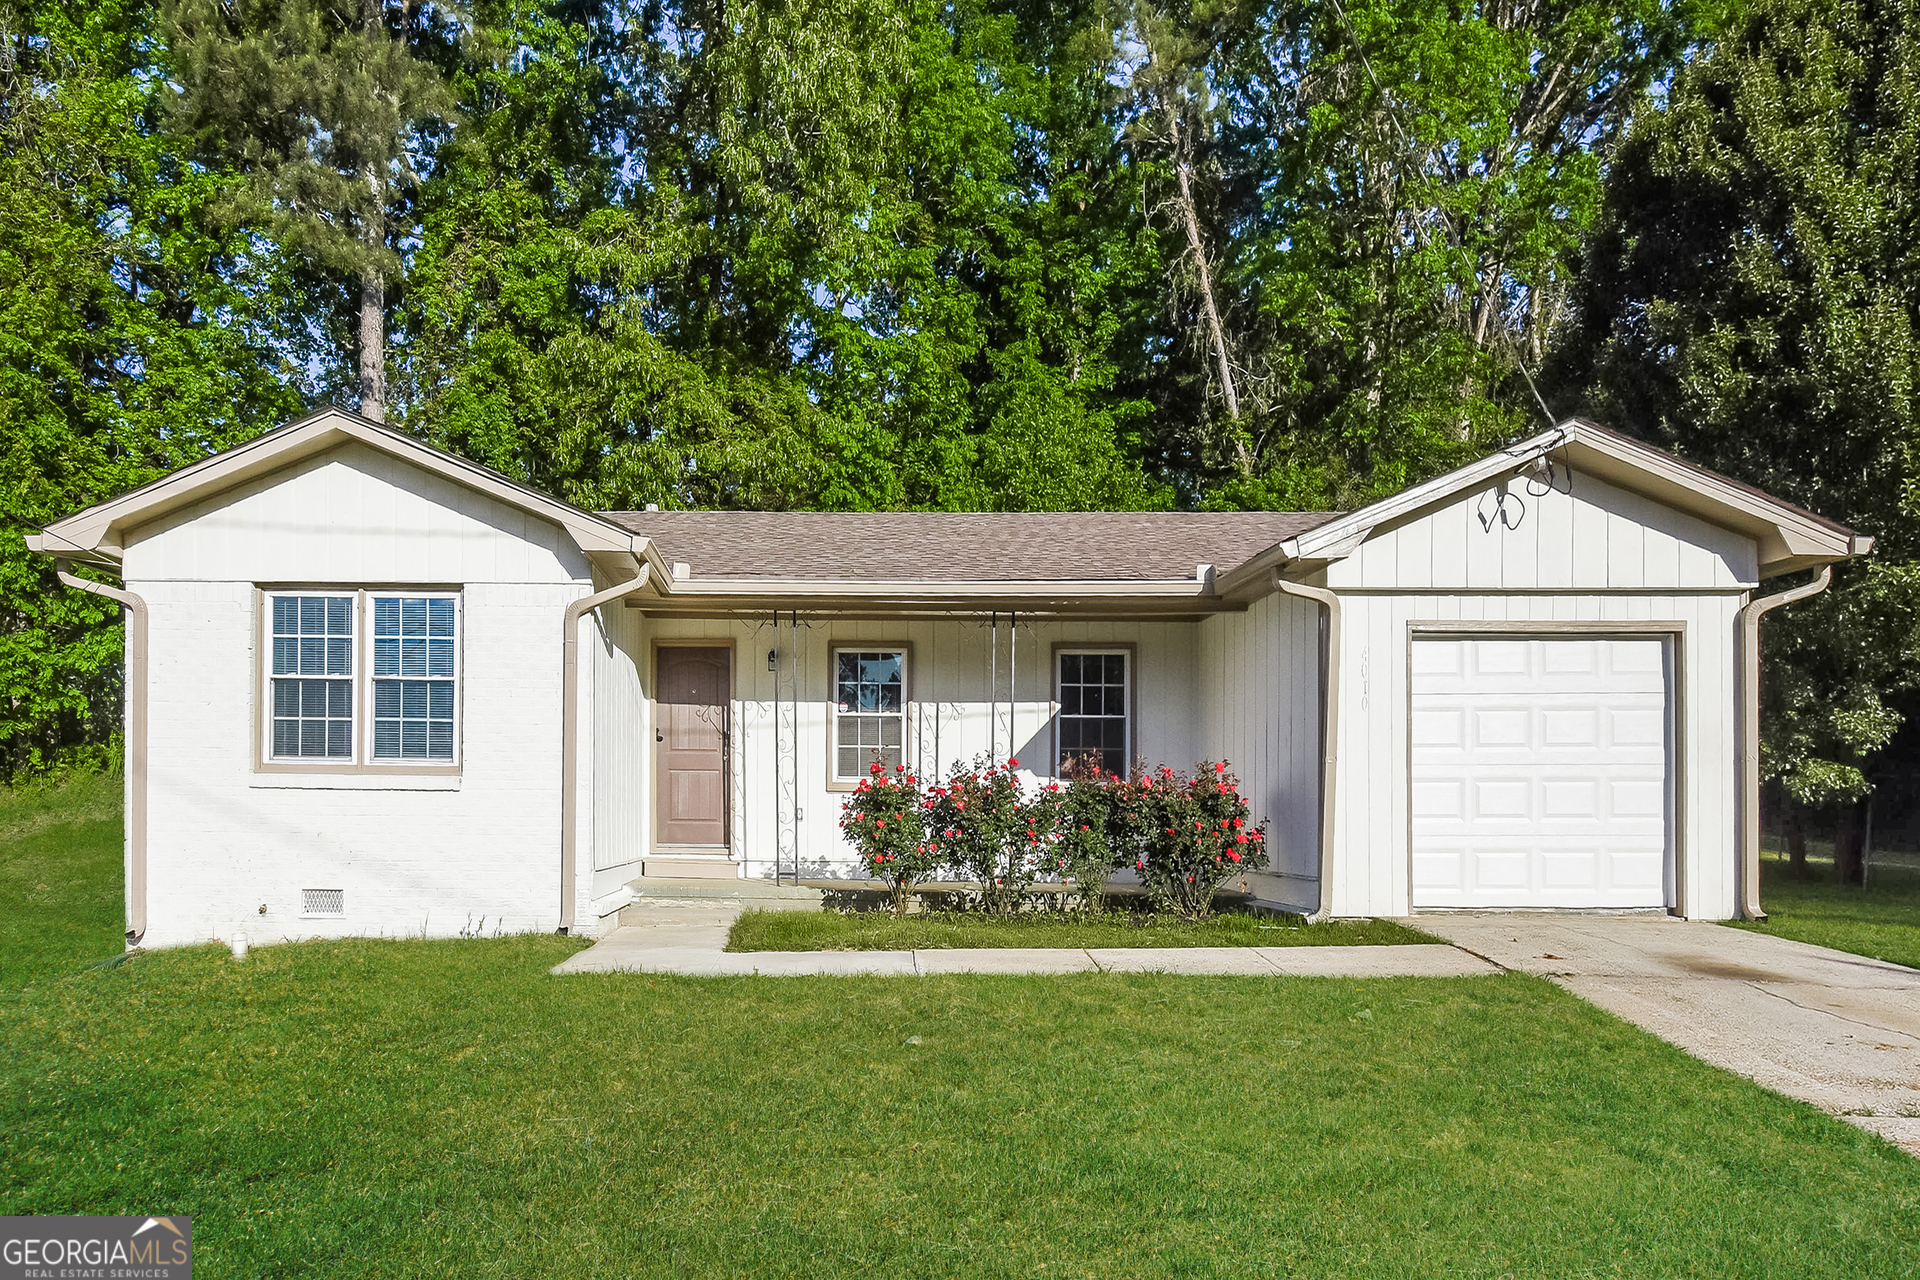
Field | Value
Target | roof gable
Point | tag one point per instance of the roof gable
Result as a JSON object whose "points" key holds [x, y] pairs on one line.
{"points": [[1787, 537], [98, 533]]}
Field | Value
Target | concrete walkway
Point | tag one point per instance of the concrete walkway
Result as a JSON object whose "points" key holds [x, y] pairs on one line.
{"points": [[1833, 1029], [690, 941]]}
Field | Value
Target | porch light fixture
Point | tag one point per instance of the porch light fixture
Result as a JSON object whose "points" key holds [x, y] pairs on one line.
{"points": [[773, 660]]}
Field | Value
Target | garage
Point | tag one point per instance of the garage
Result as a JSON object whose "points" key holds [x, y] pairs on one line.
{"points": [[1542, 771]]}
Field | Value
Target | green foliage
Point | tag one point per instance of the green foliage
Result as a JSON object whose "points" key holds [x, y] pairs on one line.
{"points": [[1749, 303], [884, 822], [328, 110], [991, 832], [136, 336], [1194, 834], [1084, 816], [1403, 190]]}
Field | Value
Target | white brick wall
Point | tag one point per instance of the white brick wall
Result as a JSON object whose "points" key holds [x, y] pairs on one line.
{"points": [[230, 848]]}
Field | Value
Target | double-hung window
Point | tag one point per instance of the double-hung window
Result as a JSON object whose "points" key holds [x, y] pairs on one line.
{"points": [[413, 678], [869, 710], [362, 678], [313, 677], [1095, 715]]}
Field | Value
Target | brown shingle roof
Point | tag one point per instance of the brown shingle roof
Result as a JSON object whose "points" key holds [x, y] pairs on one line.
{"points": [[962, 547]]}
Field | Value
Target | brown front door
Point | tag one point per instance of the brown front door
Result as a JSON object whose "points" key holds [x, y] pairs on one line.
{"points": [[691, 694]]}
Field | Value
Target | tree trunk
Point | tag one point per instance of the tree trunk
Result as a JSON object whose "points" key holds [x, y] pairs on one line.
{"points": [[373, 345], [1796, 827], [1209, 310], [1849, 843], [373, 280]]}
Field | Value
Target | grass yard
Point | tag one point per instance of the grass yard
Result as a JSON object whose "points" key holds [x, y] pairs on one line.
{"points": [[881, 931], [1882, 920], [60, 871], [371, 1108]]}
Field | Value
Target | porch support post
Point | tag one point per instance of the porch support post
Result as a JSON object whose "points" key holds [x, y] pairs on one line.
{"points": [[570, 732]]}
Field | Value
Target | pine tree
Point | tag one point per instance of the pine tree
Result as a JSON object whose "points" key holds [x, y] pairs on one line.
{"points": [[332, 108]]}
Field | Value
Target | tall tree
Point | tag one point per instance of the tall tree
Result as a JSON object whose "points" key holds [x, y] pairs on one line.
{"points": [[136, 335], [1750, 303], [843, 265], [332, 108], [1404, 190]]}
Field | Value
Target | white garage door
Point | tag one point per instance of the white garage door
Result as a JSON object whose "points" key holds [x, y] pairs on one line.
{"points": [[1541, 772]]}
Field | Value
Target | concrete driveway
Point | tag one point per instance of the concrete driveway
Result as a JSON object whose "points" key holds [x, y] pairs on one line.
{"points": [[1836, 1030]]}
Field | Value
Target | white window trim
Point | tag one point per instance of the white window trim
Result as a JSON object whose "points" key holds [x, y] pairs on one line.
{"points": [[363, 761], [1125, 652], [835, 782]]}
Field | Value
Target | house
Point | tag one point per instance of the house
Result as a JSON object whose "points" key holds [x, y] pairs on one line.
{"points": [[376, 689]]}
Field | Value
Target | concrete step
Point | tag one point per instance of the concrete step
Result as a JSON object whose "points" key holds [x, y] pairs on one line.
{"points": [[658, 896], [690, 866]]}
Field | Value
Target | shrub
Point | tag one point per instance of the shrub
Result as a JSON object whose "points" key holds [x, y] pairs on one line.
{"points": [[1192, 835], [1084, 848], [885, 821], [988, 832]]}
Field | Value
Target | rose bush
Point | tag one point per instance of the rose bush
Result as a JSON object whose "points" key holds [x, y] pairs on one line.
{"points": [[885, 821], [989, 832], [1191, 835], [1087, 839], [1185, 836]]}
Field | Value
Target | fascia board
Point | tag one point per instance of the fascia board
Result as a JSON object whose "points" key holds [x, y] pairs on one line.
{"points": [[1787, 537]]}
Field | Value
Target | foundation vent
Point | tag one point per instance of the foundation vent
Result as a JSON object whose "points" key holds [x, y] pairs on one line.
{"points": [[323, 902]]}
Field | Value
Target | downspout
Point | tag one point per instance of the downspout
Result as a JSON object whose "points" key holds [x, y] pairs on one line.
{"points": [[570, 732], [1329, 732], [136, 746], [1750, 614]]}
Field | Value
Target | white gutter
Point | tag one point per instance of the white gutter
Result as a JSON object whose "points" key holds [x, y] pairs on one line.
{"points": [[570, 731], [136, 745], [1750, 614], [1329, 733], [936, 591]]}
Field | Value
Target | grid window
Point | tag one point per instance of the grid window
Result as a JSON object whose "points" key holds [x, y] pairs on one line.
{"points": [[312, 677], [870, 711], [413, 677], [1094, 717]]}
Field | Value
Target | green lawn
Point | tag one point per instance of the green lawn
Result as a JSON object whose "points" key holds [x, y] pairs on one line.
{"points": [[881, 931], [373, 1108], [1881, 920], [60, 870]]}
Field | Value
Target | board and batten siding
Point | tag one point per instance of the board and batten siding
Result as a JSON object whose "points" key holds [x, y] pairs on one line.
{"points": [[230, 848], [613, 699], [1260, 675], [948, 720], [1584, 552]]}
